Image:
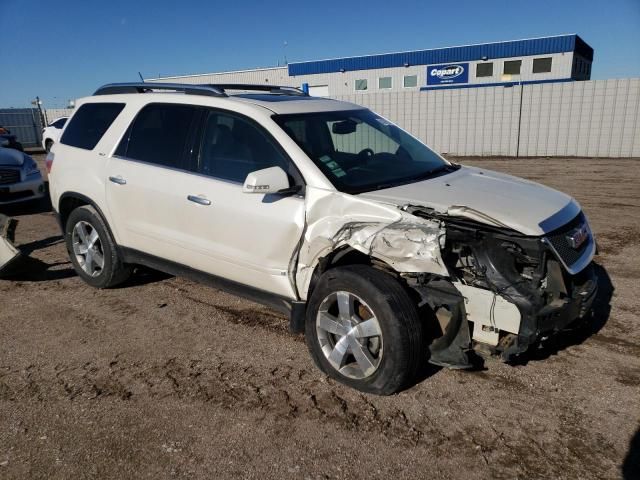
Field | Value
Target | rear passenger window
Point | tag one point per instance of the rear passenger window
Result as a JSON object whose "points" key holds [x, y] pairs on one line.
{"points": [[59, 123], [233, 147], [89, 124], [160, 134]]}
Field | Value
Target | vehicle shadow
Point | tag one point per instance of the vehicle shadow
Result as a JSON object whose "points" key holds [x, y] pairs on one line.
{"points": [[31, 207], [631, 464], [144, 276], [601, 309], [28, 268]]}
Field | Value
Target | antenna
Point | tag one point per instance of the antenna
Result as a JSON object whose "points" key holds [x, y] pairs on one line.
{"points": [[140, 75]]}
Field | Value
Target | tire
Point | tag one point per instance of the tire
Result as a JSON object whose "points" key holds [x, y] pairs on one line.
{"points": [[47, 145], [393, 349], [92, 250]]}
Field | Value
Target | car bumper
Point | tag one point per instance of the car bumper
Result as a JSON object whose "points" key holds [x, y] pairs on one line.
{"points": [[554, 318], [30, 189], [538, 325]]}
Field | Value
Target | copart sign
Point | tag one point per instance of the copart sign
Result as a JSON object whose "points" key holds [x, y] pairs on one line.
{"points": [[448, 73]]}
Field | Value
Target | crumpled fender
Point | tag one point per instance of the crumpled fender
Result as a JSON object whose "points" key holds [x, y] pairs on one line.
{"points": [[335, 219]]}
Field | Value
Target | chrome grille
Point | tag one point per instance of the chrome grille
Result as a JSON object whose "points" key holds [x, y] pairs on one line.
{"points": [[9, 175], [560, 243]]}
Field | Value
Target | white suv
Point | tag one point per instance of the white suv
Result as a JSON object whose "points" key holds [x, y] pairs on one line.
{"points": [[51, 133], [385, 254]]}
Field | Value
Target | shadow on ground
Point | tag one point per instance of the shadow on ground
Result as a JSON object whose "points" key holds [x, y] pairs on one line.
{"points": [[631, 465]]}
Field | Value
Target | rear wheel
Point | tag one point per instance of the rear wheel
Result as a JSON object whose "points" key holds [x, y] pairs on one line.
{"points": [[92, 250], [363, 330]]}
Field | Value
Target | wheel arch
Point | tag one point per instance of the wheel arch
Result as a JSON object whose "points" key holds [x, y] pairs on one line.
{"points": [[69, 201], [346, 255]]}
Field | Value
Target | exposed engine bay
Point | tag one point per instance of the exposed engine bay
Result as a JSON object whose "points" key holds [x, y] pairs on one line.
{"points": [[505, 292]]}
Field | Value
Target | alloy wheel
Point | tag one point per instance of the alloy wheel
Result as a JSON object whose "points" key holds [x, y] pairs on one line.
{"points": [[349, 334], [87, 247]]}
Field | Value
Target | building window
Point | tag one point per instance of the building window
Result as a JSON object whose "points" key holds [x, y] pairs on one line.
{"points": [[512, 67], [484, 70], [542, 65], [361, 84], [410, 81], [384, 82]]}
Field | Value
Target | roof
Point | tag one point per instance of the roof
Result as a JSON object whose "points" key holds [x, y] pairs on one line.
{"points": [[465, 53], [286, 104], [210, 95]]}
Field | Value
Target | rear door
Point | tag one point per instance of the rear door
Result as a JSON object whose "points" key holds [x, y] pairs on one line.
{"points": [[147, 177]]}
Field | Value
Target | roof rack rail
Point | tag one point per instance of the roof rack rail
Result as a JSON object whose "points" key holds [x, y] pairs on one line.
{"points": [[143, 87], [275, 89]]}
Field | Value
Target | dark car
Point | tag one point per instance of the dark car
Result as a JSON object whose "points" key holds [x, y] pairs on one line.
{"points": [[8, 140]]}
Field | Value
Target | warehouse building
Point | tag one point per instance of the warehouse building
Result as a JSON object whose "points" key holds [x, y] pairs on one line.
{"points": [[560, 58]]}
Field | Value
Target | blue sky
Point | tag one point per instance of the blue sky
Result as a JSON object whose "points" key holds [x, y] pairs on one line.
{"points": [[62, 50]]}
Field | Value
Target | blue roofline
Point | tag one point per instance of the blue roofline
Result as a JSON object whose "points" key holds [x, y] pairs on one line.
{"points": [[513, 48]]}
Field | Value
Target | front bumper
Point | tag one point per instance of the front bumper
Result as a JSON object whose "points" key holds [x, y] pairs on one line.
{"points": [[556, 317], [32, 188], [540, 322]]}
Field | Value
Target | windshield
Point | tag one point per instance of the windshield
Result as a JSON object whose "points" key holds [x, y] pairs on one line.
{"points": [[359, 151]]}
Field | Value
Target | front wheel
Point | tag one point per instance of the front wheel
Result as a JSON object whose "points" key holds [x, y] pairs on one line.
{"points": [[92, 250], [363, 330]]}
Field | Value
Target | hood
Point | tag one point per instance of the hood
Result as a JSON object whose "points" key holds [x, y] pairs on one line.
{"points": [[10, 157], [488, 197]]}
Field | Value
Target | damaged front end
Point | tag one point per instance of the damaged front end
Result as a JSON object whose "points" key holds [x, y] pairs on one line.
{"points": [[506, 290], [480, 285]]}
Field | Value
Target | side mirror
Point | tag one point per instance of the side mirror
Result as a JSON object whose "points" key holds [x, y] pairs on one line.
{"points": [[4, 142], [267, 180]]}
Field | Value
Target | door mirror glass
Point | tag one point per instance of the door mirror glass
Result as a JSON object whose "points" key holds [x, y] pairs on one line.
{"points": [[267, 180], [4, 142]]}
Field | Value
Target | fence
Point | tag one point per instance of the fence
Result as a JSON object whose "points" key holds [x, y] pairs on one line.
{"points": [[599, 118], [52, 113], [24, 123]]}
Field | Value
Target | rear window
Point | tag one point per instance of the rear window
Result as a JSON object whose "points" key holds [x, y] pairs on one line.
{"points": [[89, 124], [59, 123], [160, 134]]}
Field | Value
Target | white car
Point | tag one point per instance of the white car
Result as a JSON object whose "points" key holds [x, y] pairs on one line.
{"points": [[20, 177], [384, 253], [51, 134]]}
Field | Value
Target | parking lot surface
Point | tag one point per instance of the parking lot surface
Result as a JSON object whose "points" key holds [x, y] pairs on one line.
{"points": [[165, 378]]}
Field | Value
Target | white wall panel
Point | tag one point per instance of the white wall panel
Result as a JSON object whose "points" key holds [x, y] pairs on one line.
{"points": [[598, 118]]}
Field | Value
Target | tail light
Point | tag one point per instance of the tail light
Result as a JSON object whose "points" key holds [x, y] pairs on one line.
{"points": [[48, 162]]}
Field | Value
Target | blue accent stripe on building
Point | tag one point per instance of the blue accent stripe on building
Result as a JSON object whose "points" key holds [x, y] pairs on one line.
{"points": [[499, 84], [515, 48]]}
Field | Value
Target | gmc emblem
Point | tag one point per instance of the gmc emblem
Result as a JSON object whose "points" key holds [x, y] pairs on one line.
{"points": [[578, 236]]}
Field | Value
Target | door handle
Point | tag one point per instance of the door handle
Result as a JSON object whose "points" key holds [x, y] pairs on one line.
{"points": [[119, 180], [199, 200]]}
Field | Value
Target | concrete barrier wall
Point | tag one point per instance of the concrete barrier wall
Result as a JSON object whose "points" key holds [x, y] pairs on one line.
{"points": [[599, 118]]}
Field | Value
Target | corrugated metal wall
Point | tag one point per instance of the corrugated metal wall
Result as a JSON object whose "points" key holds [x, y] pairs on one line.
{"points": [[24, 123], [598, 118]]}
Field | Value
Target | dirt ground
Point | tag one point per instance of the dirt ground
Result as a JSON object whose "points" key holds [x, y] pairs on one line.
{"points": [[167, 378]]}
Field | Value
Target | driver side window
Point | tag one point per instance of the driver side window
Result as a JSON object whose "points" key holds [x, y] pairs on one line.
{"points": [[232, 147]]}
